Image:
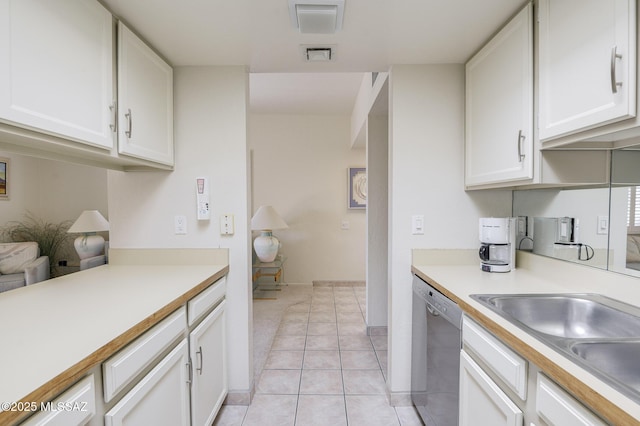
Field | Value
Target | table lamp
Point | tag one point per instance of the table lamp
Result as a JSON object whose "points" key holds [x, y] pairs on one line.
{"points": [[266, 245], [89, 244]]}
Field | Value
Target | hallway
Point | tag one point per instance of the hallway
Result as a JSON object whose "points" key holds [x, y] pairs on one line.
{"points": [[315, 364]]}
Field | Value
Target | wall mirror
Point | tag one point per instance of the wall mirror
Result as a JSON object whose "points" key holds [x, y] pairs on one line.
{"points": [[599, 227]]}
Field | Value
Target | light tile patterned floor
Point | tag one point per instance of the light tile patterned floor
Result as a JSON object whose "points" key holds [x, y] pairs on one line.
{"points": [[322, 368]]}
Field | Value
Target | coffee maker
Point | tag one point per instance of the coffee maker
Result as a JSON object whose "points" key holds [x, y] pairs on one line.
{"points": [[497, 244]]}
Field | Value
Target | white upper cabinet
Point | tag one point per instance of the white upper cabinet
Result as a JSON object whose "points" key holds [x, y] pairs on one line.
{"points": [[499, 106], [145, 101], [56, 69], [587, 64]]}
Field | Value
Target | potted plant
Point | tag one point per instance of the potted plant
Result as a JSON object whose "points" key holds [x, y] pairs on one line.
{"points": [[51, 237]]}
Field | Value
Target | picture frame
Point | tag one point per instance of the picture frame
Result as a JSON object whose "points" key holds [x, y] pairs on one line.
{"points": [[4, 178], [357, 189]]}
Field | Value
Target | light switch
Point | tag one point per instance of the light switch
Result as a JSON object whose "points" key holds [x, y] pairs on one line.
{"points": [[180, 224], [603, 225], [344, 225], [417, 224], [226, 224]]}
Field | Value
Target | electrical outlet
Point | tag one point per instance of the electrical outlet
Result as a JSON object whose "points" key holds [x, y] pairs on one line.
{"points": [[522, 226], [226, 224], [180, 225]]}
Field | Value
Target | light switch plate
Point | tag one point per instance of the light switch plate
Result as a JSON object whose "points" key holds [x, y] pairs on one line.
{"points": [[603, 225], [417, 224]]}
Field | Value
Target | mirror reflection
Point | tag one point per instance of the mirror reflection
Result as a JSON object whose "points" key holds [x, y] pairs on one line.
{"points": [[599, 227], [625, 212], [564, 223]]}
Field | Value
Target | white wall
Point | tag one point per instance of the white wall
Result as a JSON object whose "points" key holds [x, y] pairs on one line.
{"points": [[426, 178], [300, 167], [211, 140], [377, 219]]}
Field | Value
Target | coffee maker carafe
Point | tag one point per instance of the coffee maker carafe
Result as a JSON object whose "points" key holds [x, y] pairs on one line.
{"points": [[497, 244]]}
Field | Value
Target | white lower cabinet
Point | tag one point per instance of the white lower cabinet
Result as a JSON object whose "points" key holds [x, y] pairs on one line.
{"points": [[75, 406], [188, 385], [558, 408], [160, 398], [492, 380], [208, 356], [482, 398]]}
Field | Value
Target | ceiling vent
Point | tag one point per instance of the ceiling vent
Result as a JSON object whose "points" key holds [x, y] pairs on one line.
{"points": [[318, 54], [317, 16]]}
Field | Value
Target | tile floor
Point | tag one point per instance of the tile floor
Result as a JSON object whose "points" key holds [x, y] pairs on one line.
{"points": [[315, 364]]}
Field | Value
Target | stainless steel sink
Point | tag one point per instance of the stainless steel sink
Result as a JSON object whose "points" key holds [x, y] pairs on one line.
{"points": [[599, 333], [617, 359], [566, 315]]}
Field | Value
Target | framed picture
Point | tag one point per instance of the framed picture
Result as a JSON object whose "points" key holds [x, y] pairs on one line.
{"points": [[357, 187], [4, 178]]}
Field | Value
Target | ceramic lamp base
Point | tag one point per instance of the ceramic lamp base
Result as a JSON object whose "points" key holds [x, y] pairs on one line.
{"points": [[266, 246], [89, 245]]}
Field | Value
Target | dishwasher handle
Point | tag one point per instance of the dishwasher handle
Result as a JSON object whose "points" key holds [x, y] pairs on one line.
{"points": [[432, 310]]}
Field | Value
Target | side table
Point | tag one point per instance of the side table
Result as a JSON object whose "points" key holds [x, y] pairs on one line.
{"points": [[271, 272]]}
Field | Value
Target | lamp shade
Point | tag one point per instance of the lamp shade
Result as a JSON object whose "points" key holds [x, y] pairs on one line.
{"points": [[89, 221], [266, 218]]}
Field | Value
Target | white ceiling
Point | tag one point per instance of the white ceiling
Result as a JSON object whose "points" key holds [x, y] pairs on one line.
{"points": [[259, 34]]}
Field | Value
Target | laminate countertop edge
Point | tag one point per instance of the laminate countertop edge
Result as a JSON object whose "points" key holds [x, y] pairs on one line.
{"points": [[207, 275], [590, 390]]}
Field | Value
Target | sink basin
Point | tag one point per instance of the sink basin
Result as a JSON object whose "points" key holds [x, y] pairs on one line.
{"points": [[616, 359], [596, 332], [574, 316]]}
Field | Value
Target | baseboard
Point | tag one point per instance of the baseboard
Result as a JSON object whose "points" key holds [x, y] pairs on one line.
{"points": [[321, 283], [399, 399], [239, 397], [377, 330]]}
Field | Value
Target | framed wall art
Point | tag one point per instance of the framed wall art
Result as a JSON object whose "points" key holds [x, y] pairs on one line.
{"points": [[357, 187], [4, 178]]}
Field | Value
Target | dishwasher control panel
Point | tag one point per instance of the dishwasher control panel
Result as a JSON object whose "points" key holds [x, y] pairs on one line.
{"points": [[438, 302]]}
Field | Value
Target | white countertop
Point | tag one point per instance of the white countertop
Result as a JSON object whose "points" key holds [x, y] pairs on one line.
{"points": [[540, 275], [56, 330]]}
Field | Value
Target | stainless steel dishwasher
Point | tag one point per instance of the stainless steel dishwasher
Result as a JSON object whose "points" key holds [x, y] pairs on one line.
{"points": [[435, 355]]}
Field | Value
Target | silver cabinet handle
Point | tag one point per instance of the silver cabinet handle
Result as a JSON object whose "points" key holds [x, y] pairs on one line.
{"points": [[614, 55], [114, 116], [521, 138], [129, 123], [199, 369]]}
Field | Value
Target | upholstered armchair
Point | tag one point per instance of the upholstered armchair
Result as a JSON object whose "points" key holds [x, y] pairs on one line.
{"points": [[21, 265]]}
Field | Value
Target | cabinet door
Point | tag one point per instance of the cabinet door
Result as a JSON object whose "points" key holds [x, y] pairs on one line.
{"points": [[76, 406], [558, 408], [208, 355], [56, 68], [145, 100], [160, 398], [587, 64], [499, 106], [481, 398]]}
